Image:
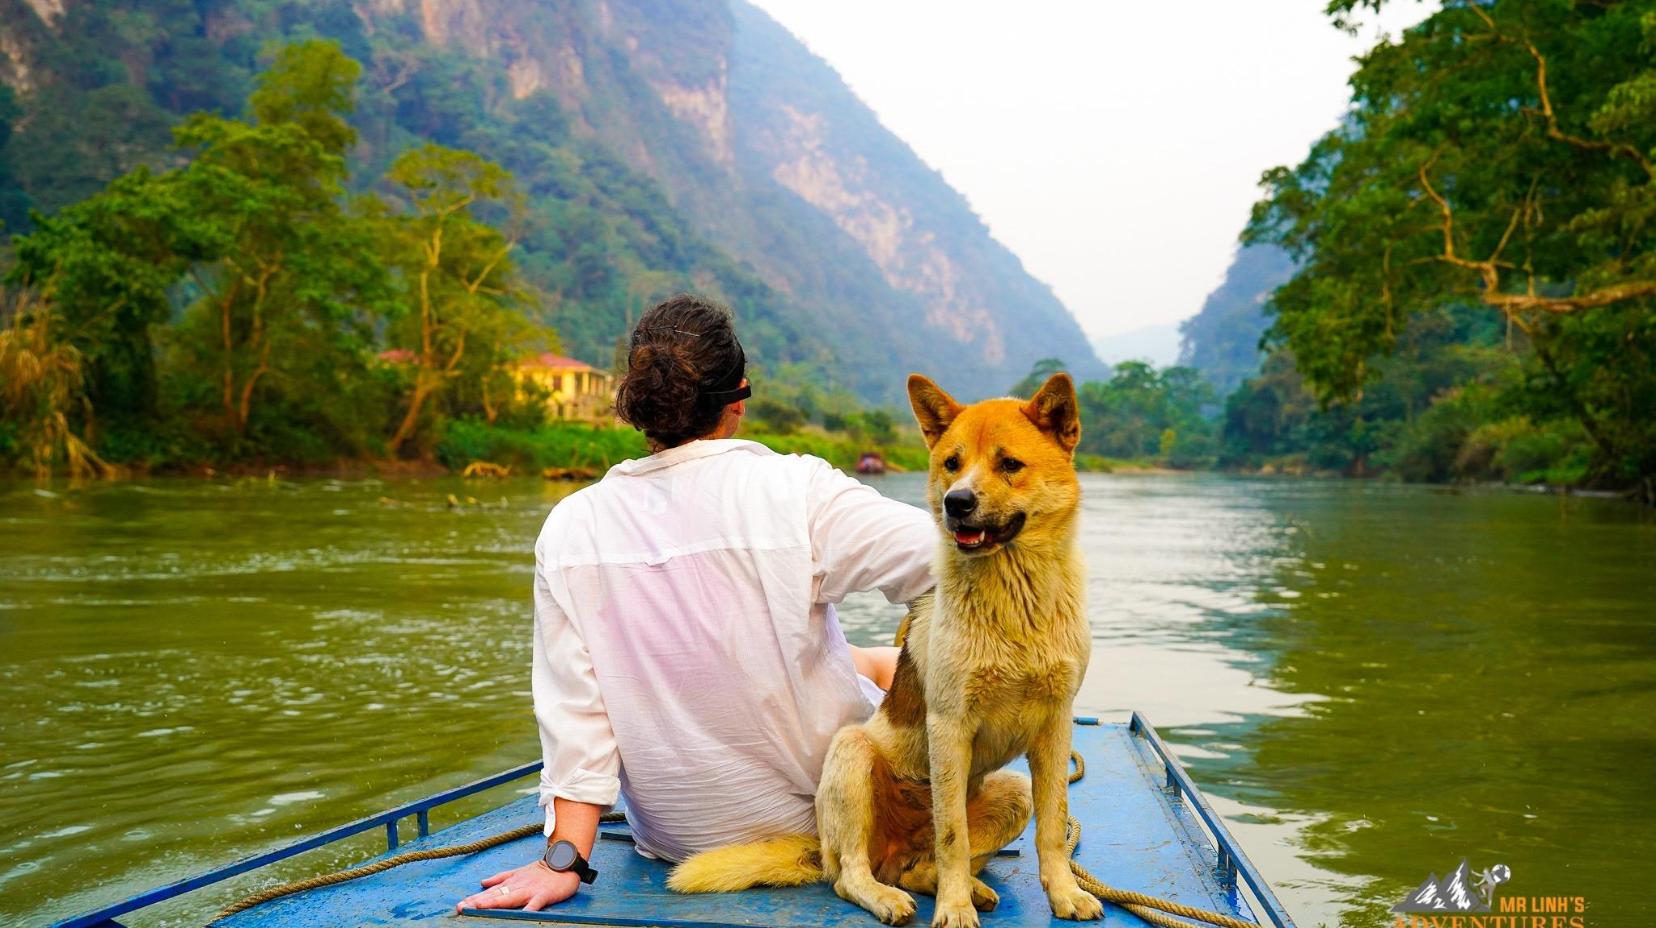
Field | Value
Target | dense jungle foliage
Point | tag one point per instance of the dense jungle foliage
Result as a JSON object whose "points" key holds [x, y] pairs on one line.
{"points": [[261, 302], [1474, 256], [1455, 284]]}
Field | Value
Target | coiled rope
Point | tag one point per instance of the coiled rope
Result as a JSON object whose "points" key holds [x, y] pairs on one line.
{"points": [[341, 876], [1137, 903]]}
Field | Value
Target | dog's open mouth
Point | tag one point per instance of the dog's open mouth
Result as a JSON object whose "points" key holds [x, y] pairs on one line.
{"points": [[971, 537]]}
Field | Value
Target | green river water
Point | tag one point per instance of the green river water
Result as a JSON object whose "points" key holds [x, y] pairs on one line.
{"points": [[1371, 682]]}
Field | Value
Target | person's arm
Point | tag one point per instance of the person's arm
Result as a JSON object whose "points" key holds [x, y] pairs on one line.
{"points": [[577, 824], [863, 541], [535, 886], [860, 541], [579, 778]]}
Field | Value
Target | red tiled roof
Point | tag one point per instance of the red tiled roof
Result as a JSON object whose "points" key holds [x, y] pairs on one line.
{"points": [[398, 356], [548, 359]]}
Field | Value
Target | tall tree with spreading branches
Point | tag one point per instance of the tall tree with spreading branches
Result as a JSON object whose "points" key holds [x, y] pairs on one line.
{"points": [[459, 315], [286, 271], [1499, 155]]}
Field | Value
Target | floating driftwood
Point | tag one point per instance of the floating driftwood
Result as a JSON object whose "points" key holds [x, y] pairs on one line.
{"points": [[569, 473], [485, 469]]}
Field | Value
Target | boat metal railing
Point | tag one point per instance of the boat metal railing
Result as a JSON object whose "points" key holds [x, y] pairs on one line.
{"points": [[420, 809], [1231, 861]]}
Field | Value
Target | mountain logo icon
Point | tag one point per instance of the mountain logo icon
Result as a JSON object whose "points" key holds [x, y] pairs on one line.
{"points": [[1457, 892]]}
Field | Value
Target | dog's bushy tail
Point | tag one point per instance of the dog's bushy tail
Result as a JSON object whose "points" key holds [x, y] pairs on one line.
{"points": [[794, 860]]}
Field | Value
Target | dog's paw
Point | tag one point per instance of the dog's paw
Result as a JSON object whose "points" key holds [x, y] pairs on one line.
{"points": [[1075, 903], [955, 916], [894, 908], [887, 903], [984, 899]]}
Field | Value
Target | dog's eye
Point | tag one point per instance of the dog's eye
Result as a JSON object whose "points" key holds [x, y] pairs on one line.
{"points": [[951, 463], [1011, 465]]}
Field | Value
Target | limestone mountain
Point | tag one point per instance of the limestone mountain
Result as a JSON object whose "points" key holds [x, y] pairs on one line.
{"points": [[669, 144], [1222, 339]]}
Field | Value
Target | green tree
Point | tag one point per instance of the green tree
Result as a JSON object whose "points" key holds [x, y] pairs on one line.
{"points": [[774, 416], [1141, 412], [1037, 375], [1498, 156], [109, 262], [1449, 373], [460, 293], [287, 275], [876, 426]]}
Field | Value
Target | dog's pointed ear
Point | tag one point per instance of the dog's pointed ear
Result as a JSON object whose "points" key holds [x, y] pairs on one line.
{"points": [[1055, 411], [933, 408]]}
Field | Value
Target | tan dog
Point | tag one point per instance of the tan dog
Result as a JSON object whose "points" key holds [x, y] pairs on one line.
{"points": [[916, 796]]}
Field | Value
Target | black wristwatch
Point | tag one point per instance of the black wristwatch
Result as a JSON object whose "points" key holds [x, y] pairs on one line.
{"points": [[562, 857]]}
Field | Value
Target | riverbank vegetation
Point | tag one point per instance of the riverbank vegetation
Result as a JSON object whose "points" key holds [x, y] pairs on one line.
{"points": [[1475, 270], [1457, 283], [260, 305]]}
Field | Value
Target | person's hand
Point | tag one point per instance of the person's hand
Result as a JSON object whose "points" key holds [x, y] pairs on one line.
{"points": [[531, 888]]}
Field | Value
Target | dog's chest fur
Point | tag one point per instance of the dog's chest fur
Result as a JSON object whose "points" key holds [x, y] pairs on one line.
{"points": [[1000, 648]]}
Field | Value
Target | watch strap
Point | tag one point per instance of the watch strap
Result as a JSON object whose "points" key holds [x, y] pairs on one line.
{"points": [[579, 866]]}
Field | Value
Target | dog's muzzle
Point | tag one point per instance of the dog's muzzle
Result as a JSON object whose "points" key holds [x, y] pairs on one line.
{"points": [[972, 535]]}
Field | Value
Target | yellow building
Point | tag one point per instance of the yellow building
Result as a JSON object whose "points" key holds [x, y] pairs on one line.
{"points": [[575, 389]]}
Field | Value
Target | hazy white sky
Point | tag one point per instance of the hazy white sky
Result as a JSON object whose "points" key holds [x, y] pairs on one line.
{"points": [[1115, 147]]}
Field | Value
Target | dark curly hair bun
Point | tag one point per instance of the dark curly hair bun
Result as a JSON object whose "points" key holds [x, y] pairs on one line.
{"points": [[658, 394], [683, 362]]}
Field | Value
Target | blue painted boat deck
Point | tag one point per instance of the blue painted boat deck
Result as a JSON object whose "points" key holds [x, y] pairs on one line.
{"points": [[1135, 835]]}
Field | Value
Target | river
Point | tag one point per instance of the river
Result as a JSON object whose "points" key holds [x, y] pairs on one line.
{"points": [[1372, 682]]}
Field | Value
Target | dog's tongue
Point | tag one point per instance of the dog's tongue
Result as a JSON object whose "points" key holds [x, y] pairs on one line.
{"points": [[974, 537]]}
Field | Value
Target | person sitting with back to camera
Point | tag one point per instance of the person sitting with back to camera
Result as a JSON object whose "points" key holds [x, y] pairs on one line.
{"points": [[686, 650]]}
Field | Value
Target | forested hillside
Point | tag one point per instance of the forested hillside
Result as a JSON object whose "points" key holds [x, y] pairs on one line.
{"points": [[1222, 339], [1473, 265], [691, 144], [1457, 283]]}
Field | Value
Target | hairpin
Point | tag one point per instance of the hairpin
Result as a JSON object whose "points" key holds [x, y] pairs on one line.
{"points": [[653, 329]]}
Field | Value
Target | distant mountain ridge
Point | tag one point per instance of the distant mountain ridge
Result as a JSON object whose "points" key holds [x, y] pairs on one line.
{"points": [[668, 144], [1157, 344], [800, 126], [1222, 339]]}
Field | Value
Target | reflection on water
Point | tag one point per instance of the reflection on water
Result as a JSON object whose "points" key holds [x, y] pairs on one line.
{"points": [[1372, 682]]}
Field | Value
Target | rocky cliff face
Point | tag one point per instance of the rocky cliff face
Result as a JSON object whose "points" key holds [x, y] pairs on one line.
{"points": [[762, 135], [763, 150], [802, 128], [1222, 340]]}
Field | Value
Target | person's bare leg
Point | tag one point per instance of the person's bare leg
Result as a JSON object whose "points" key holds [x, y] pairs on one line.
{"points": [[877, 664]]}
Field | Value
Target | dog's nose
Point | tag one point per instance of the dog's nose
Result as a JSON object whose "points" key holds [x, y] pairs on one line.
{"points": [[959, 503]]}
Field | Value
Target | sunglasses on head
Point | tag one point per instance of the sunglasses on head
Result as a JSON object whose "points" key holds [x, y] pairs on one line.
{"points": [[726, 397]]}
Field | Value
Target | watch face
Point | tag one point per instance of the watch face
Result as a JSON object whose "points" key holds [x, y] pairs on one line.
{"points": [[561, 856]]}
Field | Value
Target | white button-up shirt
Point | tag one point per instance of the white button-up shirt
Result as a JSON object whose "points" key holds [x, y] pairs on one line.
{"points": [[686, 647]]}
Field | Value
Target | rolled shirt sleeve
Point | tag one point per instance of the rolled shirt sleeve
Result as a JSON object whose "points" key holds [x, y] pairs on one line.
{"points": [[862, 541], [581, 760]]}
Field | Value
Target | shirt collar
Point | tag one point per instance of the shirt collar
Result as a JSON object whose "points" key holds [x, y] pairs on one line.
{"points": [[689, 451]]}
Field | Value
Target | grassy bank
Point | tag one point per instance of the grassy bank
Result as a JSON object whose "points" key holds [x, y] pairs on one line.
{"points": [[525, 450], [574, 445]]}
